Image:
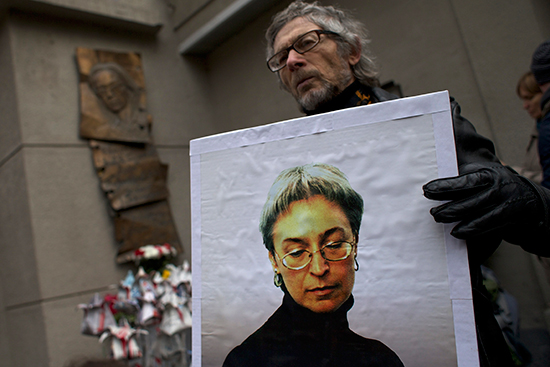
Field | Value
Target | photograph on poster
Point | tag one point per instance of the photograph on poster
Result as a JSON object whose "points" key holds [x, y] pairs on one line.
{"points": [[319, 222]]}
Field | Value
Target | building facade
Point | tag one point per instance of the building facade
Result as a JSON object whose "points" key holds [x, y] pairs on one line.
{"points": [[205, 73]]}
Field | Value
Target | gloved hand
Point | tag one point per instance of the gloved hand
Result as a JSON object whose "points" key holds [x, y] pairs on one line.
{"points": [[487, 200]]}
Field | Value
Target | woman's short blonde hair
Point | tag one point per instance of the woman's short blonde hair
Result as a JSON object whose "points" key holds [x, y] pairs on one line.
{"points": [[303, 182]]}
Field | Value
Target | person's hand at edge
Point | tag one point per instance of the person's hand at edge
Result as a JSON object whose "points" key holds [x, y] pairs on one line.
{"points": [[488, 200]]}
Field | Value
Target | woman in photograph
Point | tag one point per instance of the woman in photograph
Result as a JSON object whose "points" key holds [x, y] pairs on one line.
{"points": [[310, 227]]}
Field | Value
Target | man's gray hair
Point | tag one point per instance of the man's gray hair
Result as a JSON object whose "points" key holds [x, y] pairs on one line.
{"points": [[302, 183], [353, 34]]}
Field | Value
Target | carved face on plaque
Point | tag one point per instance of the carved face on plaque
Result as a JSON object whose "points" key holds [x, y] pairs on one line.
{"points": [[111, 87], [111, 106]]}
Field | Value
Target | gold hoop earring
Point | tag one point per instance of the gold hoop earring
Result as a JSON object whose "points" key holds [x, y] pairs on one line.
{"points": [[356, 264], [277, 279]]}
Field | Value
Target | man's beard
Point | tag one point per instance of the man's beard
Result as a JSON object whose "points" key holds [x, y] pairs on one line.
{"points": [[313, 99]]}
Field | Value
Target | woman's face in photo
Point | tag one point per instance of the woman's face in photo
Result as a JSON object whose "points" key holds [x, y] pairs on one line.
{"points": [[321, 286]]}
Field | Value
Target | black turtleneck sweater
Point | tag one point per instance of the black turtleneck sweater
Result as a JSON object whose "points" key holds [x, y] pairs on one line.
{"points": [[297, 337]]}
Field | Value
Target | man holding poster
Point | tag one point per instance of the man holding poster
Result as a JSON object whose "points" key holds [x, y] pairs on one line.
{"points": [[321, 57]]}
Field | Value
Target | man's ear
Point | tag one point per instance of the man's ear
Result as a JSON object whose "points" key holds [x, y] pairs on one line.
{"points": [[355, 54], [273, 261]]}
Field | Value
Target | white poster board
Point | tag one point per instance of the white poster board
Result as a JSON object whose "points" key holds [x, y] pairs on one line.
{"points": [[412, 291]]}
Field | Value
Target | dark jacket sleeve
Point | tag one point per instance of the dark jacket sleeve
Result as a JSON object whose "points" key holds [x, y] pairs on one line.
{"points": [[475, 152], [470, 146], [544, 149]]}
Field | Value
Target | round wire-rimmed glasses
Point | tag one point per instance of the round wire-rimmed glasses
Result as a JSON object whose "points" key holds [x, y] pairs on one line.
{"points": [[298, 259], [303, 44]]}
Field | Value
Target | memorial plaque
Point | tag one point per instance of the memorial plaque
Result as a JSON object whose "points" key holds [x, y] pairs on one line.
{"points": [[113, 116], [106, 153], [134, 183], [112, 95]]}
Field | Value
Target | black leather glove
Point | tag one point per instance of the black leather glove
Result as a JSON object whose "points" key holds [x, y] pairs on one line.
{"points": [[489, 200]]}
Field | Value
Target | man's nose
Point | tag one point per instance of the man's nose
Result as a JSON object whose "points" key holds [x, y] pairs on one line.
{"points": [[294, 60], [319, 265]]}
